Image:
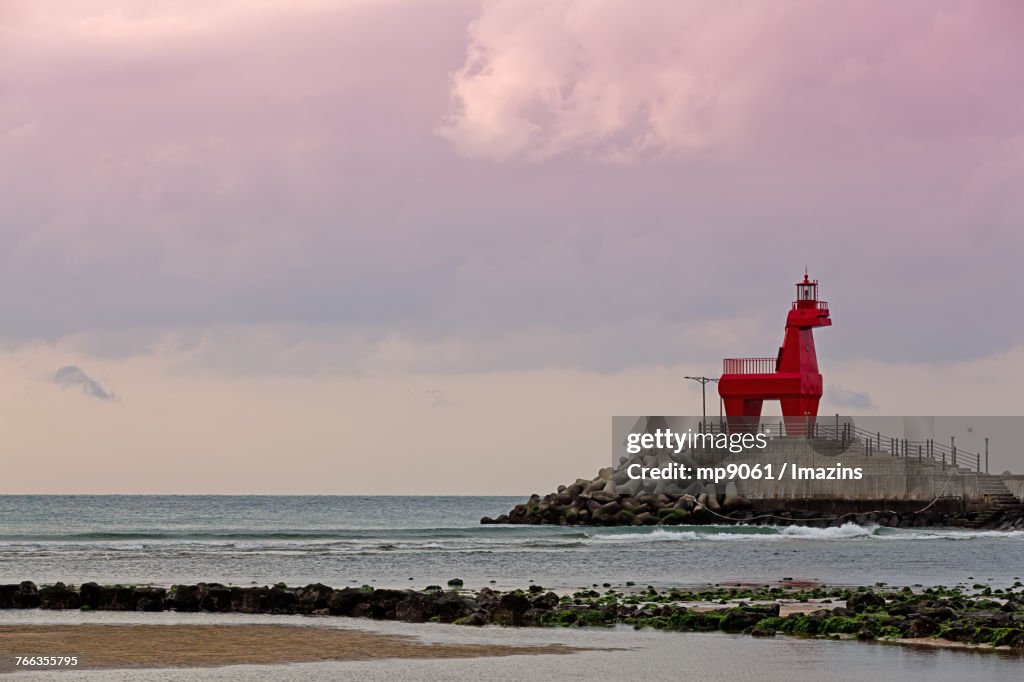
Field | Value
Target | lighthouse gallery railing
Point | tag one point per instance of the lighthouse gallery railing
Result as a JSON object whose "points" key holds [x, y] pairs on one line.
{"points": [[749, 365]]}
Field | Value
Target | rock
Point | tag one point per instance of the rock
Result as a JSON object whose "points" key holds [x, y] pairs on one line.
{"points": [[510, 609], [631, 487], [415, 608], [451, 606], [25, 595], [103, 598], [345, 601], [281, 599], [860, 601], [738, 620], [382, 603], [7, 593], [674, 489], [249, 599], [694, 489], [607, 510], [58, 596], [921, 626], [214, 597], [476, 618], [645, 519], [733, 500], [712, 494], [180, 597], [761, 632], [312, 597], [149, 598]]}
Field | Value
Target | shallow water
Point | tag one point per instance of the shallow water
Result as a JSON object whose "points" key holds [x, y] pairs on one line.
{"points": [[617, 653], [386, 541]]}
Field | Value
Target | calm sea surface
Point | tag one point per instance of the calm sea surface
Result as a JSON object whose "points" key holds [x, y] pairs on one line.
{"points": [[386, 541]]}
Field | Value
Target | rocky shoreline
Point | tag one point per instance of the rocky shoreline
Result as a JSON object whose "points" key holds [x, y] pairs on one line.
{"points": [[615, 498], [587, 503], [950, 616]]}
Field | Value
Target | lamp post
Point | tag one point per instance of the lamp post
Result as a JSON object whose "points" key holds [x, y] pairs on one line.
{"points": [[703, 381]]}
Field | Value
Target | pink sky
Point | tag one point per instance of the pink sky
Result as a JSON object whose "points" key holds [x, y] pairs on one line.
{"points": [[283, 213]]}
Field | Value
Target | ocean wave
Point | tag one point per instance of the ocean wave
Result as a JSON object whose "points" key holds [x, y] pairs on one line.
{"points": [[843, 532], [541, 541], [736, 534], [497, 532], [657, 535], [955, 534]]}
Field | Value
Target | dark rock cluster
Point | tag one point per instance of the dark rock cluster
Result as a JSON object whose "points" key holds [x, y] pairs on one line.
{"points": [[432, 604], [985, 616], [584, 503], [579, 505]]}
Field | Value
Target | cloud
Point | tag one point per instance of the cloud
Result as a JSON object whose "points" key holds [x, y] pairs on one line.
{"points": [[265, 188], [844, 397], [622, 81], [71, 376], [435, 397]]}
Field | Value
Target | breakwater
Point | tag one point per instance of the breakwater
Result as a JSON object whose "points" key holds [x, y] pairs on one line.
{"points": [[573, 506], [699, 486]]}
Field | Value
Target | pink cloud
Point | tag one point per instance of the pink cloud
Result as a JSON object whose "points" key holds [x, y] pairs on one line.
{"points": [[626, 80], [170, 168]]}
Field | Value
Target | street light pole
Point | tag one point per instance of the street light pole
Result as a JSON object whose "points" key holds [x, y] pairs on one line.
{"points": [[703, 381]]}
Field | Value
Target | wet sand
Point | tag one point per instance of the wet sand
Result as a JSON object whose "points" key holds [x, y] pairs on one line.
{"points": [[170, 646]]}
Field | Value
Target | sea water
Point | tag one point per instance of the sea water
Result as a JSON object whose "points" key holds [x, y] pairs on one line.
{"points": [[416, 541]]}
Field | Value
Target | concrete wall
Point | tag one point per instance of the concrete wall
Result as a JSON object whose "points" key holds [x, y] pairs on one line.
{"points": [[884, 477], [1015, 484]]}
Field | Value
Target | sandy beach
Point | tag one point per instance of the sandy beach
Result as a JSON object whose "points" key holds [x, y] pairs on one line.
{"points": [[168, 646]]}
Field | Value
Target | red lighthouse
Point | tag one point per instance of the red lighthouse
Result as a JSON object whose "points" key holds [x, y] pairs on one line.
{"points": [[792, 377]]}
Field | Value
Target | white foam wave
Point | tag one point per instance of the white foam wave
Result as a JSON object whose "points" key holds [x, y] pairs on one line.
{"points": [[738, 534], [843, 532], [951, 534], [849, 531], [657, 535]]}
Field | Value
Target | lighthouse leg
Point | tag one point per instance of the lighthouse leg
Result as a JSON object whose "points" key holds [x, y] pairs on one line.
{"points": [[743, 413], [799, 414]]}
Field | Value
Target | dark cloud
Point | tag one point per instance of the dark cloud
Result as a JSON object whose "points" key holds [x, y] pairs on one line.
{"points": [[71, 376], [844, 397]]}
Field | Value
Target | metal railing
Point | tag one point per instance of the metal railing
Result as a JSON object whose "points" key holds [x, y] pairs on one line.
{"points": [[821, 305], [749, 365], [947, 454], [826, 431]]}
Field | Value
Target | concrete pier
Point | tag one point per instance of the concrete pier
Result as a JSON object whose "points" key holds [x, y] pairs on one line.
{"points": [[884, 476]]}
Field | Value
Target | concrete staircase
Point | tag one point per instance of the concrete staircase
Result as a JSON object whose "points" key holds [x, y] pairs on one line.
{"points": [[996, 492]]}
